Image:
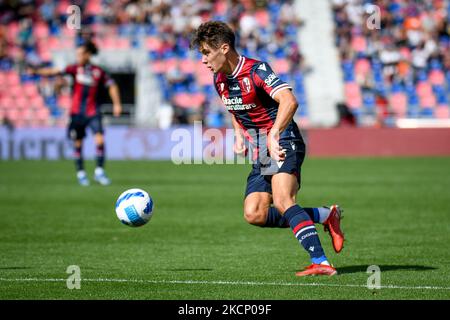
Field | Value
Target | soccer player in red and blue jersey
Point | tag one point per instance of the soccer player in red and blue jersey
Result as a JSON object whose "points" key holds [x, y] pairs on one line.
{"points": [[262, 108], [88, 80]]}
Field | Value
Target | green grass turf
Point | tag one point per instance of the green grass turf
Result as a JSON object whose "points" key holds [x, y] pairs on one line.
{"points": [[397, 217]]}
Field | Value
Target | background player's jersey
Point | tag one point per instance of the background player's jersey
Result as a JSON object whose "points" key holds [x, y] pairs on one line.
{"points": [[248, 94], [87, 81]]}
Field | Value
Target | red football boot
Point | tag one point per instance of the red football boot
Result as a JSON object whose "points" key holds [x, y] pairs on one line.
{"points": [[317, 270], [333, 225]]}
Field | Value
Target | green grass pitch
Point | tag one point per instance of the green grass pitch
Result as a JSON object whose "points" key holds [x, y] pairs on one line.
{"points": [[198, 246]]}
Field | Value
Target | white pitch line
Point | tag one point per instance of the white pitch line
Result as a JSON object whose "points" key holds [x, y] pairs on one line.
{"points": [[238, 283]]}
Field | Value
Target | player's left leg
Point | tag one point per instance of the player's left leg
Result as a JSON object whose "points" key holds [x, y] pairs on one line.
{"points": [[95, 123], [284, 191]]}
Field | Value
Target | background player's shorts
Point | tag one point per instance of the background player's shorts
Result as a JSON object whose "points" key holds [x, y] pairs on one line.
{"points": [[78, 125], [260, 178]]}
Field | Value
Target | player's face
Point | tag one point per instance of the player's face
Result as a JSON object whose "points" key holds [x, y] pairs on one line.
{"points": [[83, 56], [214, 59]]}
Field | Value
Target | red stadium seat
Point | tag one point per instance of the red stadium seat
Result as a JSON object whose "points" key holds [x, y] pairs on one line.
{"points": [[399, 103], [7, 102], [14, 114], [221, 7], [12, 78], [359, 44], [157, 66], [437, 77], [93, 7], [424, 89], [22, 102], [42, 114], [30, 89], [152, 43], [353, 95], [442, 112], [61, 9], [281, 66], [40, 30], [263, 18], [187, 66], [362, 67], [427, 101], [37, 102], [64, 101], [15, 91]]}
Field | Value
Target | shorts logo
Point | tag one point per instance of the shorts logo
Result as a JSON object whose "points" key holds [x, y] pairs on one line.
{"points": [[262, 67], [247, 85]]}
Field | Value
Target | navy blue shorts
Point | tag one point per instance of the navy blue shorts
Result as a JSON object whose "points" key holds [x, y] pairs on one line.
{"points": [[260, 178], [79, 123]]}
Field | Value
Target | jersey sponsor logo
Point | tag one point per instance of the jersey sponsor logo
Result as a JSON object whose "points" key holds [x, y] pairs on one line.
{"points": [[247, 85], [236, 103], [262, 67], [270, 79], [85, 79]]}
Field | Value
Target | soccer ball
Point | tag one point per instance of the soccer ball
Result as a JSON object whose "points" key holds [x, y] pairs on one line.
{"points": [[134, 207]]}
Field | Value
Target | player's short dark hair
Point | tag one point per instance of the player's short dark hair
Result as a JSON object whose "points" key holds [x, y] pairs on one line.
{"points": [[213, 33], [90, 47]]}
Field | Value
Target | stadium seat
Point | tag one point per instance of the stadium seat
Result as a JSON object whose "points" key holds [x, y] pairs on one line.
{"points": [[437, 77], [152, 43], [398, 102], [427, 101], [187, 66], [424, 89], [12, 78], [263, 18], [442, 112], [281, 66], [359, 44], [40, 30], [362, 67], [93, 7]]}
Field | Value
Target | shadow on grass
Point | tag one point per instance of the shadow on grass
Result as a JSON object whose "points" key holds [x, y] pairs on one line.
{"points": [[363, 268], [14, 268]]}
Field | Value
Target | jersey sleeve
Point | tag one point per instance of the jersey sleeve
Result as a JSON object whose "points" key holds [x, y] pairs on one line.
{"points": [[265, 78], [106, 79], [70, 70]]}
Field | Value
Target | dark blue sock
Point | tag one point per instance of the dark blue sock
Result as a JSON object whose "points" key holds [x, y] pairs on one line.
{"points": [[78, 155], [313, 214], [276, 220], [100, 155], [305, 232]]}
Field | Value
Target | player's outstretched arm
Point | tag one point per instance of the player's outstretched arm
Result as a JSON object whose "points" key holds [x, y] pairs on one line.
{"points": [[115, 97], [286, 109], [45, 72]]}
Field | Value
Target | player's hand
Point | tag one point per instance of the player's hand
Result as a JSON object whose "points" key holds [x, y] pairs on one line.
{"points": [[239, 146], [276, 152], [117, 110]]}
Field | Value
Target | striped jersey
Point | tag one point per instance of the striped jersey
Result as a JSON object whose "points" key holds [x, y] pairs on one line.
{"points": [[248, 93], [87, 81]]}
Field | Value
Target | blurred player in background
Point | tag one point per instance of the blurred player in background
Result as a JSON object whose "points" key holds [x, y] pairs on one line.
{"points": [[263, 107], [88, 80]]}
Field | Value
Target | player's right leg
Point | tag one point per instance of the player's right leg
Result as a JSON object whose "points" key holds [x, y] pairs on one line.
{"points": [[76, 133]]}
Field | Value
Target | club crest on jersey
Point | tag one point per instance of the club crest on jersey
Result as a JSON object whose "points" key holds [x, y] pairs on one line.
{"points": [[247, 85]]}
